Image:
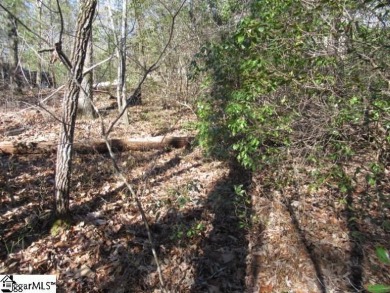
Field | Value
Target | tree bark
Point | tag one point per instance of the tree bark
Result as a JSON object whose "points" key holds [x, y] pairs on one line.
{"points": [[85, 108], [65, 146], [14, 49], [121, 54], [39, 73], [121, 92], [119, 145]]}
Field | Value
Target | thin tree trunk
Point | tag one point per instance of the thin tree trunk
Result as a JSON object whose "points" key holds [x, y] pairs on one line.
{"points": [[39, 73], [85, 108], [65, 146], [122, 60], [121, 54], [14, 48], [117, 44], [52, 73]]}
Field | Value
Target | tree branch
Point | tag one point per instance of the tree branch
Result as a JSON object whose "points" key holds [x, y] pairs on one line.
{"points": [[151, 68], [62, 22], [97, 64]]}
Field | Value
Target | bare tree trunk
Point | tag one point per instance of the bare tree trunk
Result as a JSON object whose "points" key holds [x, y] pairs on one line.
{"points": [[14, 48], [122, 63], [52, 73], [39, 73], [121, 54], [85, 108], [65, 146]]}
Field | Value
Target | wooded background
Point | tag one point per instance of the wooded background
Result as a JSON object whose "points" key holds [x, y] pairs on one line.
{"points": [[297, 92]]}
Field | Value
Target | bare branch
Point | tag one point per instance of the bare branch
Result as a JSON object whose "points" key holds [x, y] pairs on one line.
{"points": [[64, 59], [46, 50], [97, 64], [62, 22], [134, 196], [151, 67]]}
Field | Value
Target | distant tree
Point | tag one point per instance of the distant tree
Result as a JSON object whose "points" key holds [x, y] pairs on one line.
{"points": [[39, 62], [120, 37], [12, 47], [121, 91]]}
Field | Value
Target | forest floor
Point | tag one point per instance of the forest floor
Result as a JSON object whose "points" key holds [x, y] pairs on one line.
{"points": [[216, 227]]}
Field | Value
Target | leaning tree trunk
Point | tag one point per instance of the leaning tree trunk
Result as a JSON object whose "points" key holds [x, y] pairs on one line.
{"points": [[65, 146], [85, 108]]}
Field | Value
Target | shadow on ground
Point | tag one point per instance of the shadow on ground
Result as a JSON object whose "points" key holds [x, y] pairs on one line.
{"points": [[192, 259], [221, 261], [24, 186]]}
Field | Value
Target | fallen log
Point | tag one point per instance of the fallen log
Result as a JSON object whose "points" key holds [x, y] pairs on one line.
{"points": [[117, 145], [105, 85]]}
